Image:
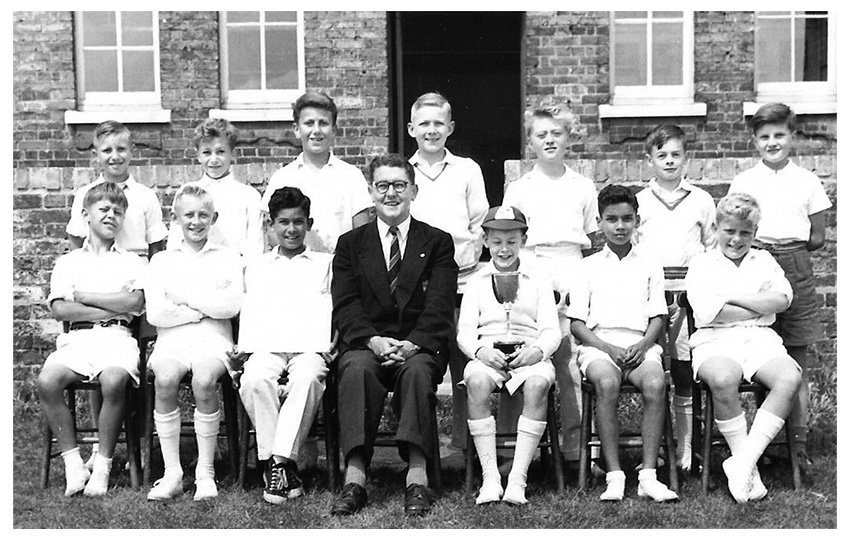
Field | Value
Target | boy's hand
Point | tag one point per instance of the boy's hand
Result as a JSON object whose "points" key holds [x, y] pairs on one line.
{"points": [[617, 354], [634, 355], [527, 356], [237, 358], [494, 358]]}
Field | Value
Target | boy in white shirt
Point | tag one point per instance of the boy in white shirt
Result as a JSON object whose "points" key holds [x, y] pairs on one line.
{"points": [[286, 326], [338, 191], [481, 325], [793, 204], [240, 217], [560, 206], [735, 292], [677, 222], [193, 290], [617, 313], [451, 197], [94, 288]]}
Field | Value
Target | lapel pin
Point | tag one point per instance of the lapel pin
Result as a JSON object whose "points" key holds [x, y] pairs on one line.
{"points": [[421, 255]]}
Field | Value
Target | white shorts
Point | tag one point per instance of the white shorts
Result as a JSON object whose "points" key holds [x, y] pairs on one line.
{"points": [[190, 353], [750, 346], [89, 352], [620, 338], [517, 377]]}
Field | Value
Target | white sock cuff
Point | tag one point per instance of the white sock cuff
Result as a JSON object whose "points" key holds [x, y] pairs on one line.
{"points": [[530, 426], [615, 475], [482, 427], [647, 474], [683, 401], [102, 461], [732, 424], [765, 417], [207, 424], [166, 417], [71, 453]]}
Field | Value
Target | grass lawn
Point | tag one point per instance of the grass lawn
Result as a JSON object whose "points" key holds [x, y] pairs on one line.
{"points": [[815, 506]]}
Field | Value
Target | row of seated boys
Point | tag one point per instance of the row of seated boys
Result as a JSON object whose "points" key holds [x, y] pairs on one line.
{"points": [[546, 121]]}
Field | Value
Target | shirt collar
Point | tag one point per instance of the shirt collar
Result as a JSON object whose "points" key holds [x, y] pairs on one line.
{"points": [[766, 170], [206, 180], [307, 253], [124, 184], [332, 160], [384, 228], [208, 247], [448, 159], [525, 268], [684, 186], [86, 246], [608, 253]]}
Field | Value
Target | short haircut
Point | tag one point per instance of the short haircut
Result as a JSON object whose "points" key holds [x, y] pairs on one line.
{"points": [[431, 99], [109, 191], [215, 128], [560, 113], [612, 195], [391, 160], [774, 113], [196, 190], [108, 128], [317, 100], [740, 206], [661, 134], [288, 198]]}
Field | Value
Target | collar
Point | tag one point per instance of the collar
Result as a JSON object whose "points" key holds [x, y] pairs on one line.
{"points": [[274, 254], [87, 246], [124, 185], [206, 180], [332, 160], [752, 254], [683, 186], [525, 268], [384, 228], [208, 247], [608, 253], [448, 159], [766, 170]]}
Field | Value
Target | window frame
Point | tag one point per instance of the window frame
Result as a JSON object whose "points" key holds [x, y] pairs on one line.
{"points": [[656, 95], [800, 92], [239, 103]]}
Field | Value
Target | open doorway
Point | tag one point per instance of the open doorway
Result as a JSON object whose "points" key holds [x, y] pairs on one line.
{"points": [[474, 59]]}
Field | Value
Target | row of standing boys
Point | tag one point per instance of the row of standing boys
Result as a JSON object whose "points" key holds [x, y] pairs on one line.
{"points": [[602, 324]]}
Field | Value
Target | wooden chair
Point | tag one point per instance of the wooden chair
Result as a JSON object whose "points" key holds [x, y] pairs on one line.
{"points": [[325, 426], [550, 449], [704, 432], [88, 434], [589, 439]]}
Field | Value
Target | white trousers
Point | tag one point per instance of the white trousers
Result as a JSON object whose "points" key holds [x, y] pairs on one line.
{"points": [[282, 414]]}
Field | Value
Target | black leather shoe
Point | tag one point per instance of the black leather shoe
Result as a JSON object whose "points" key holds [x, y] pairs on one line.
{"points": [[351, 500], [417, 500]]}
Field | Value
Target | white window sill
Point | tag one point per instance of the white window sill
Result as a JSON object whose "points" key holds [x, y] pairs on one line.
{"points": [[126, 116], [800, 108], [252, 115], [608, 111]]}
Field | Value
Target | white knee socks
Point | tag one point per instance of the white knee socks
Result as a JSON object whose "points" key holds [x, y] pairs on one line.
{"points": [[168, 429], [483, 432], [206, 432]]}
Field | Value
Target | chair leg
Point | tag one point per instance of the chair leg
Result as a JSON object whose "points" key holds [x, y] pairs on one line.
{"points": [[469, 457], [131, 434], [554, 444], [697, 421], [706, 439], [331, 435], [47, 451], [147, 449], [671, 447], [795, 464], [231, 425], [584, 440], [435, 477], [244, 423]]}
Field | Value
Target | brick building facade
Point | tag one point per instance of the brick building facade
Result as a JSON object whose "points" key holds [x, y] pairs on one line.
{"points": [[564, 56]]}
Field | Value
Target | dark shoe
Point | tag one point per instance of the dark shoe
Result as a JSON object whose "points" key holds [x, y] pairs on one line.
{"points": [[417, 500], [282, 482], [351, 500]]}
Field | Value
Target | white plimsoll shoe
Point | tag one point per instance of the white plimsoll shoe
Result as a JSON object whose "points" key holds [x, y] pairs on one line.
{"points": [[491, 491], [166, 488], [616, 486], [650, 487], [739, 479], [758, 490], [515, 494], [75, 481], [205, 489]]}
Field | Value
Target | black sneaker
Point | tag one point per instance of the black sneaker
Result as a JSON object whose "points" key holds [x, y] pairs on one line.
{"points": [[292, 481], [274, 476]]}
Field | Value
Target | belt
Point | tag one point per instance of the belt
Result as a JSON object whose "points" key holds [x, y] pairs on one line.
{"points": [[780, 248], [86, 325]]}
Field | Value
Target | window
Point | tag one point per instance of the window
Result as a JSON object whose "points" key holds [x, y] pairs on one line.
{"points": [[652, 64], [795, 57], [262, 60], [117, 67]]}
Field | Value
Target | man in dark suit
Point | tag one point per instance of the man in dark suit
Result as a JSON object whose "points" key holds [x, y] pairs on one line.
{"points": [[393, 288]]}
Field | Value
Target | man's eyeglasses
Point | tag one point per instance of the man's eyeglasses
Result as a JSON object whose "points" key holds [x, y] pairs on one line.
{"points": [[398, 186]]}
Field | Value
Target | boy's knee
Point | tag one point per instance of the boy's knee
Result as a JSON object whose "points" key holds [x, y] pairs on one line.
{"points": [[536, 388]]}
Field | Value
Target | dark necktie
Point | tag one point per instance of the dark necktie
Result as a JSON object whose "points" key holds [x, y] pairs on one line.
{"points": [[395, 260]]}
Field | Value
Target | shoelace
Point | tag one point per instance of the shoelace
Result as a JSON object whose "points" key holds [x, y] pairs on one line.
{"points": [[278, 478]]}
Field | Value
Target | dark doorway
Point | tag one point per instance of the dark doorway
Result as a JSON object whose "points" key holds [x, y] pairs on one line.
{"points": [[473, 58]]}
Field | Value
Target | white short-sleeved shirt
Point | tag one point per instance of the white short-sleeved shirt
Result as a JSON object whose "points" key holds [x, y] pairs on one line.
{"points": [[610, 293], [787, 198], [142, 222], [452, 198], [337, 193], [559, 211], [211, 281], [675, 225], [534, 317], [287, 306], [240, 217], [712, 279]]}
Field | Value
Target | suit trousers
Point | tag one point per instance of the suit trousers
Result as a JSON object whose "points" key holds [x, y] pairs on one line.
{"points": [[363, 384]]}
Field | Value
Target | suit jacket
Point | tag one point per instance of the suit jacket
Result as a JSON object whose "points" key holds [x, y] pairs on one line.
{"points": [[427, 282]]}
